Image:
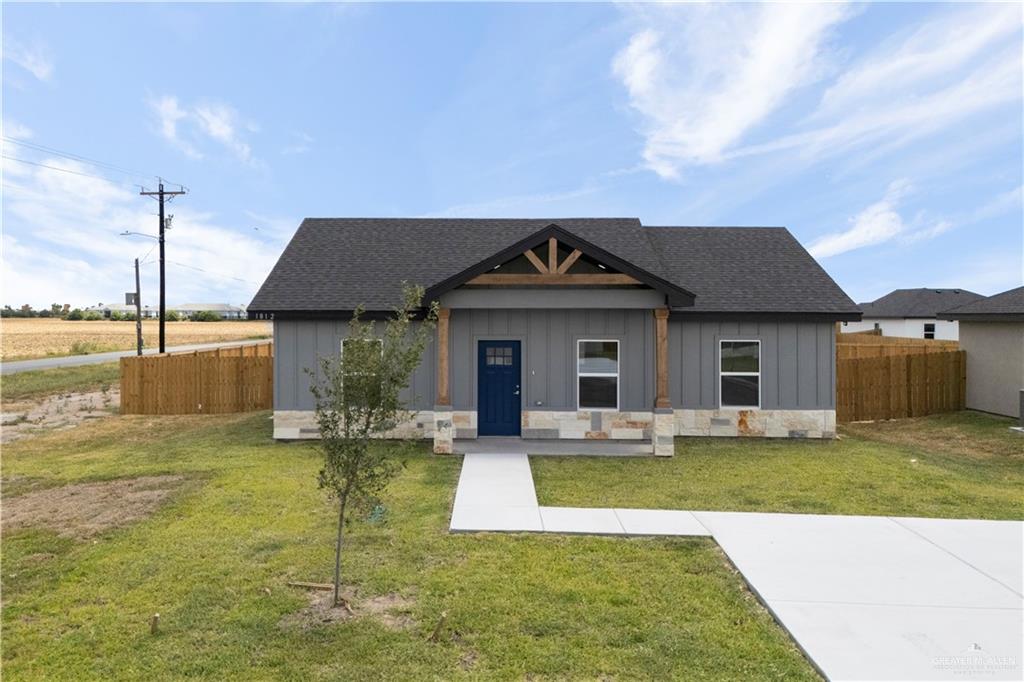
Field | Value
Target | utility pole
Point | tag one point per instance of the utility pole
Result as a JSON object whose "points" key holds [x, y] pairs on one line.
{"points": [[138, 309], [161, 197]]}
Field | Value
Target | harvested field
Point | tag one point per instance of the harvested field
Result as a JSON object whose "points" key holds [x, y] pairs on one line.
{"points": [[35, 338]]}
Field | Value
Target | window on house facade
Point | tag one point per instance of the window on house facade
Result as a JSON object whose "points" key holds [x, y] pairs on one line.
{"points": [[597, 374], [929, 330], [740, 373]]}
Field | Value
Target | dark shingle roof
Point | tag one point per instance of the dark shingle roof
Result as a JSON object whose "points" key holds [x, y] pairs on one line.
{"points": [[335, 264], [1008, 305], [926, 303], [747, 269]]}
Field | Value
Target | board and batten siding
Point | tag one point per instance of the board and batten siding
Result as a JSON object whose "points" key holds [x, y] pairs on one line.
{"points": [[797, 363], [797, 359], [549, 353], [299, 345]]}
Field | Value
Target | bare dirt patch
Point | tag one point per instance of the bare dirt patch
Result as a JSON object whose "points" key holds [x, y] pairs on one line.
{"points": [[64, 411], [391, 610], [81, 510]]}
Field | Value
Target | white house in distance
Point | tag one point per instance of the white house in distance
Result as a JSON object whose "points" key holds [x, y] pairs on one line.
{"points": [[914, 313], [226, 311]]}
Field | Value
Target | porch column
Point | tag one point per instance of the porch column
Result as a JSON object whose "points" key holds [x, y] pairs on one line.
{"points": [[664, 417], [443, 431]]}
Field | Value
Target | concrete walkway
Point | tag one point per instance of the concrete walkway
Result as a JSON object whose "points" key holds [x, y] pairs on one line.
{"points": [[865, 597], [97, 358]]}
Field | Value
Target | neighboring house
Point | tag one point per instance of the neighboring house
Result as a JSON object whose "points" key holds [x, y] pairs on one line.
{"points": [[224, 310], [573, 329], [992, 334], [106, 310], [913, 313]]}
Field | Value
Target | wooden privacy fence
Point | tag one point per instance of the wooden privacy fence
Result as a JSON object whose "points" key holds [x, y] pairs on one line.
{"points": [[234, 379], [867, 345], [898, 386]]}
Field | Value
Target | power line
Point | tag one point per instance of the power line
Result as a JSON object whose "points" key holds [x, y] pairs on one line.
{"points": [[63, 170], [77, 157], [208, 272]]}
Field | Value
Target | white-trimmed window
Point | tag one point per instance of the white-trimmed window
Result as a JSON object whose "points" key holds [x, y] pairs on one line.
{"points": [[597, 374], [929, 330], [740, 373]]}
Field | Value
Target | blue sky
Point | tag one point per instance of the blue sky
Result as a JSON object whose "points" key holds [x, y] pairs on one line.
{"points": [[888, 137]]}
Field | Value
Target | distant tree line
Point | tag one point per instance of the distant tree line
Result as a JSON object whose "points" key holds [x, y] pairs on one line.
{"points": [[66, 312]]}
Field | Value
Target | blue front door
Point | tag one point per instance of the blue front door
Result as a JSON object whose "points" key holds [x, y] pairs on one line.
{"points": [[498, 388]]}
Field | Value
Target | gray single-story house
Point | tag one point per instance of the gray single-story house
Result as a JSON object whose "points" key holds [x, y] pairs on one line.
{"points": [[992, 335], [583, 328]]}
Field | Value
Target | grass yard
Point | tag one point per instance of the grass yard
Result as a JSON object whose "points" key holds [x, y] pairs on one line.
{"points": [[224, 518], [962, 465], [44, 382], [25, 338]]}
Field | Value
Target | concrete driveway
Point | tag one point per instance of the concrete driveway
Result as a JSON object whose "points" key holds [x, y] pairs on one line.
{"points": [[865, 597]]}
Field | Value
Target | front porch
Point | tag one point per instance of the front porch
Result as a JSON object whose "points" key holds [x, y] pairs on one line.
{"points": [[546, 446]]}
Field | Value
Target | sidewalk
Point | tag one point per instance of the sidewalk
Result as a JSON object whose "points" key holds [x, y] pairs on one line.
{"points": [[865, 597]]}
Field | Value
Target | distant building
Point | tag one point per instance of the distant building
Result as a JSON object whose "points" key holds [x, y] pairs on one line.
{"points": [[106, 309], [226, 311], [992, 335], [913, 313], [223, 310]]}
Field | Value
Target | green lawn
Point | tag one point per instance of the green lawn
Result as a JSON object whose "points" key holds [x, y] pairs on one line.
{"points": [[29, 385], [215, 559], [956, 465]]}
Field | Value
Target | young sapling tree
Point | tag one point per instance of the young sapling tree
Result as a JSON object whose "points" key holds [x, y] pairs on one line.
{"points": [[357, 400]]}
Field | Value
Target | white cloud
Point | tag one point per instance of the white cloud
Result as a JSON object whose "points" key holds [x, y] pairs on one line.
{"points": [[299, 144], [61, 243], [169, 113], [16, 130], [706, 79], [928, 56], [880, 222], [703, 77], [1000, 204], [959, 64], [190, 126], [220, 122], [34, 58]]}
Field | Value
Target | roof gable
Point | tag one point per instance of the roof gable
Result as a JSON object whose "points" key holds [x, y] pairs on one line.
{"points": [[676, 294]]}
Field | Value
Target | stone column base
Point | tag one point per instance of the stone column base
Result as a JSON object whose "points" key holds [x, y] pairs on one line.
{"points": [[444, 432], [664, 432]]}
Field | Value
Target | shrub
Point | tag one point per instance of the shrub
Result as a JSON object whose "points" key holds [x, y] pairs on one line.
{"points": [[206, 316], [86, 347], [116, 316], [172, 316], [91, 315], [75, 314]]}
